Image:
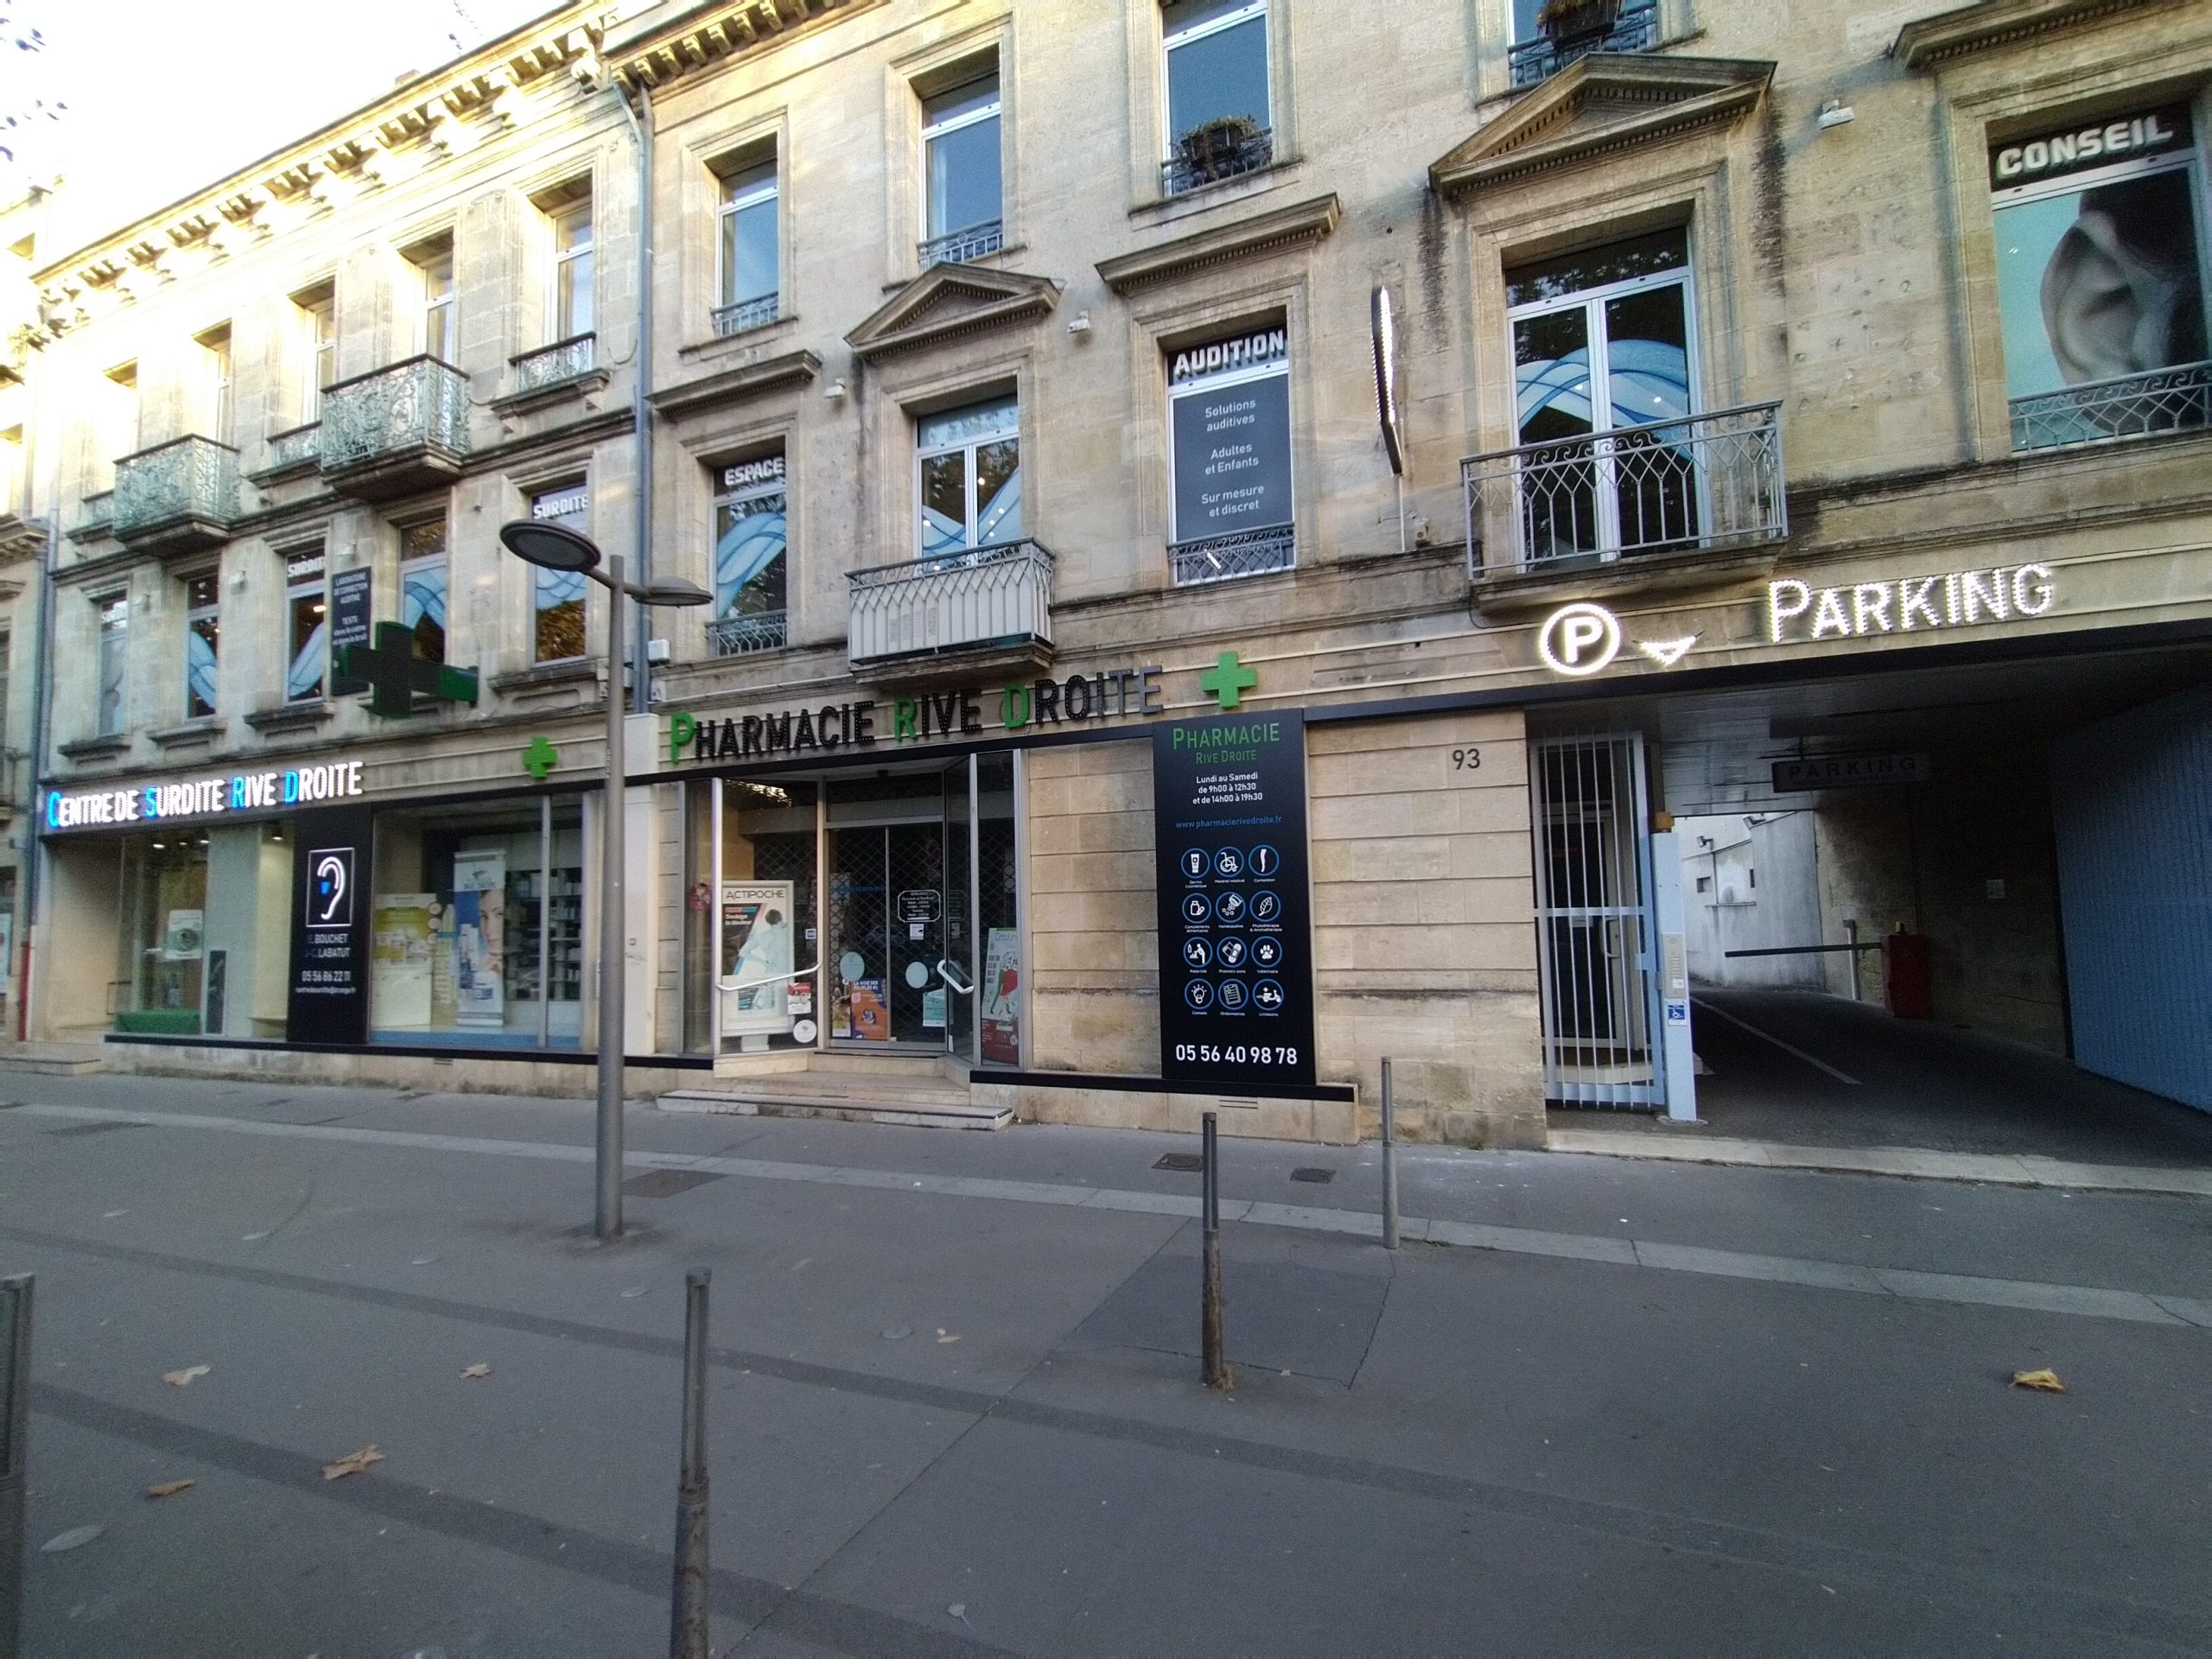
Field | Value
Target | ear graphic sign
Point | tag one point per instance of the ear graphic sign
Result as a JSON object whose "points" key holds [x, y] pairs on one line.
{"points": [[331, 884]]}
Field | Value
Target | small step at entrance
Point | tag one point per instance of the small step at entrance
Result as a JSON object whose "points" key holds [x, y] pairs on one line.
{"points": [[913, 1103], [52, 1059]]}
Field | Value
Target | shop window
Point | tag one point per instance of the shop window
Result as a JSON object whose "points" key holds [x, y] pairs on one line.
{"points": [[206, 931], [317, 324], [114, 611], [479, 926], [215, 351], [969, 473], [2100, 286], [760, 926], [963, 207], [1229, 421], [307, 626], [425, 573], [1218, 124], [202, 640], [751, 550], [751, 245], [557, 596], [439, 331], [1602, 344]]}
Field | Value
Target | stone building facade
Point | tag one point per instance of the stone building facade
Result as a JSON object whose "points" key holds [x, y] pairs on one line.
{"points": [[1531, 436]]}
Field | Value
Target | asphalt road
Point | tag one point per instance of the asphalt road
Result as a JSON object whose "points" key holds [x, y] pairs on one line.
{"points": [[955, 1407]]}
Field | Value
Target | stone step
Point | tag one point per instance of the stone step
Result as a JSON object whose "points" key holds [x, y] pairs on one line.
{"points": [[917, 1110], [52, 1059]]}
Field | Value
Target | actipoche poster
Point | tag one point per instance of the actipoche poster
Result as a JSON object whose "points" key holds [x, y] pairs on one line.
{"points": [[480, 883], [754, 983]]}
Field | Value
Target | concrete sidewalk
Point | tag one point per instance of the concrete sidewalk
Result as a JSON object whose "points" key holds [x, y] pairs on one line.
{"points": [[955, 1409]]}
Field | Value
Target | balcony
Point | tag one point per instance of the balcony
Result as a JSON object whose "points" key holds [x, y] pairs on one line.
{"points": [[1701, 483], [561, 364], [1637, 29], [985, 605], [396, 431], [178, 497], [2105, 411], [745, 315], [962, 247], [741, 636], [296, 451], [1216, 152], [1224, 558]]}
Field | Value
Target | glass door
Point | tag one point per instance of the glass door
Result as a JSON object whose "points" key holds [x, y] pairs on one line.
{"points": [[955, 970]]}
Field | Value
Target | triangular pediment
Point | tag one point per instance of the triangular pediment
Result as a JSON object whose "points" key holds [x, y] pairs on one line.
{"points": [[946, 301], [1598, 106]]}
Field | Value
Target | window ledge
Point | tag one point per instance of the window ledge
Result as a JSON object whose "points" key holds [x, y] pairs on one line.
{"points": [[716, 346], [1268, 233], [988, 262], [789, 371], [206, 729], [545, 679], [1510, 591], [558, 391], [1164, 210], [291, 716], [95, 748]]}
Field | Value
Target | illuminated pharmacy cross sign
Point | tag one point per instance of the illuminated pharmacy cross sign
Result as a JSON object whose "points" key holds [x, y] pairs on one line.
{"points": [[397, 677], [1228, 680]]}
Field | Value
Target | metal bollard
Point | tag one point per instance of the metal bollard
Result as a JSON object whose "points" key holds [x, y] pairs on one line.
{"points": [[15, 1427], [1215, 1364], [687, 1621], [1389, 1163]]}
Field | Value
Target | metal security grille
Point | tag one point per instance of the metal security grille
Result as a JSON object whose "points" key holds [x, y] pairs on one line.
{"points": [[1593, 932]]}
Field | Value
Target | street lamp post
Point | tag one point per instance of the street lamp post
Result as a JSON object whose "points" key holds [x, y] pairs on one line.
{"points": [[556, 547]]}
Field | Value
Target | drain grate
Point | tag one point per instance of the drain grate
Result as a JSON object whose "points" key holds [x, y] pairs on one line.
{"points": [[666, 1183], [1188, 1162], [1318, 1177]]}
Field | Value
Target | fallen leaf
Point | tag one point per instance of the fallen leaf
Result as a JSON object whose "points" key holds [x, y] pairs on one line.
{"points": [[170, 1488], [183, 1379], [478, 1369], [71, 1539], [2044, 1381], [944, 1336], [352, 1464]]}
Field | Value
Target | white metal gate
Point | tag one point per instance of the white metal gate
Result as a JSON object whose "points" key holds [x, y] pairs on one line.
{"points": [[1594, 932]]}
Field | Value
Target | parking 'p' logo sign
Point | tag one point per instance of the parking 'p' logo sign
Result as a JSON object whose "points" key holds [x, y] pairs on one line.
{"points": [[1578, 639], [330, 897]]}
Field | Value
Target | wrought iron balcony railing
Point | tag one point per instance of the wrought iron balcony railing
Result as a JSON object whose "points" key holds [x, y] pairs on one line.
{"points": [[963, 247], [1636, 30], [1704, 482], [1224, 558], [181, 493], [970, 599], [555, 365], [1208, 157], [421, 404], [2103, 411], [741, 635], [301, 447], [746, 314]]}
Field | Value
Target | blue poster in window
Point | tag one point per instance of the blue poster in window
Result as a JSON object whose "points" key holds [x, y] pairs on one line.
{"points": [[1232, 458]]}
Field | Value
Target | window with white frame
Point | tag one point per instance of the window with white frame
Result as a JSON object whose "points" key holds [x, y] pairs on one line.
{"points": [[963, 197], [1229, 448], [317, 322], [440, 335], [752, 542], [215, 346], [202, 639], [967, 470], [751, 250], [1218, 122], [306, 624], [571, 299], [425, 573], [114, 612], [557, 596]]}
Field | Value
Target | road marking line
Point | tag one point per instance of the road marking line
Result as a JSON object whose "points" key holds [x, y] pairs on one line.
{"points": [[1745, 1025], [2091, 1301]]}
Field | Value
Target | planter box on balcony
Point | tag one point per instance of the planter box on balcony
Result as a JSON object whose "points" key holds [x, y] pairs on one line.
{"points": [[396, 431], [976, 608], [176, 498]]}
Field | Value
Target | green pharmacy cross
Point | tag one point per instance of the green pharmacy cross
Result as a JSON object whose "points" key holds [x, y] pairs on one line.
{"points": [[540, 758], [397, 677], [1228, 680]]}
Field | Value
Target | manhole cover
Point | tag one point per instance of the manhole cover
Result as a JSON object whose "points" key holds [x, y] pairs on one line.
{"points": [[1189, 1162], [666, 1183], [1319, 1177]]}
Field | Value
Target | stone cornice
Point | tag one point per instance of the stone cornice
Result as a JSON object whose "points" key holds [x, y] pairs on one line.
{"points": [[792, 368], [1931, 41], [1300, 223], [1599, 105], [420, 123], [947, 301], [706, 35]]}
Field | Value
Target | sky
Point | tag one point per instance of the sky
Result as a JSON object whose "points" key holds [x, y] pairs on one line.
{"points": [[163, 100]]}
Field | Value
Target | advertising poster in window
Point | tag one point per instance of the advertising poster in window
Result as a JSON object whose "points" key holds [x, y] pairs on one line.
{"points": [[870, 1014], [756, 958], [1229, 407], [1002, 994], [479, 903], [349, 625], [328, 998], [401, 975], [2098, 270]]}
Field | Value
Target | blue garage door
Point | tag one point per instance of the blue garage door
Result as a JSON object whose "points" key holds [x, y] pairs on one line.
{"points": [[2132, 797]]}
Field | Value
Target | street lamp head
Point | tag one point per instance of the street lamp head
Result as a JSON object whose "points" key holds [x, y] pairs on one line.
{"points": [[549, 546], [674, 592]]}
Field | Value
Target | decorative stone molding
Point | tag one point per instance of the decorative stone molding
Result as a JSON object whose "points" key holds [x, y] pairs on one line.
{"points": [[291, 716], [788, 371], [946, 301], [1297, 226], [1930, 41], [1598, 106], [707, 33]]}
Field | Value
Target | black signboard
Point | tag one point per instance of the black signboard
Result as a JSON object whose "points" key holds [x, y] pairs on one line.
{"points": [[1232, 458], [1236, 931], [330, 997], [349, 625]]}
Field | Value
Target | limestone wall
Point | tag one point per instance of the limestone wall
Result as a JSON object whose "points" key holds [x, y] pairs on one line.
{"points": [[1094, 976]]}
